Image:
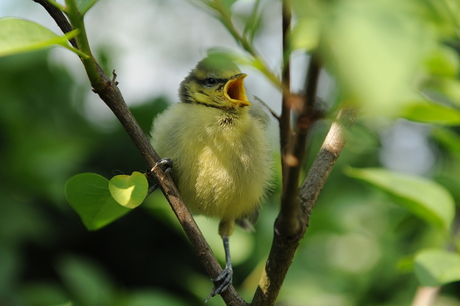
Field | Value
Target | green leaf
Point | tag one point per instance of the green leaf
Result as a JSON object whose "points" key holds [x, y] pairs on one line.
{"points": [[424, 198], [429, 112], [448, 139], [227, 4], [129, 190], [84, 5], [305, 35], [375, 49], [89, 196], [437, 267], [19, 35], [443, 62], [86, 281], [448, 87]]}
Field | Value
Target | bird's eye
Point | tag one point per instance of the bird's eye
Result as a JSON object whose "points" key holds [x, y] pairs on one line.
{"points": [[210, 81]]}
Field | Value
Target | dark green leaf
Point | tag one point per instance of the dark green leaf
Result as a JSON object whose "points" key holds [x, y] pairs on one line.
{"points": [[89, 196], [88, 283], [448, 139]]}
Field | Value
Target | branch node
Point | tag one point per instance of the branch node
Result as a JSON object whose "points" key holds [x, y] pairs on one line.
{"points": [[106, 88], [114, 77]]}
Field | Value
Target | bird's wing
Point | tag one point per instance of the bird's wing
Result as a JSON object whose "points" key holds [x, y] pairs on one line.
{"points": [[258, 112], [247, 222]]}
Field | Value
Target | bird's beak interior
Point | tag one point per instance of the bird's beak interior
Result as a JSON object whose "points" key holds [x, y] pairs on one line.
{"points": [[235, 92]]}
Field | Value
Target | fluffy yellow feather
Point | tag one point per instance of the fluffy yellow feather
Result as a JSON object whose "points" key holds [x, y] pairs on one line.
{"points": [[219, 150]]}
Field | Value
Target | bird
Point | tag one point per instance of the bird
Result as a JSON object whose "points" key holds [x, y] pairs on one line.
{"points": [[217, 143]]}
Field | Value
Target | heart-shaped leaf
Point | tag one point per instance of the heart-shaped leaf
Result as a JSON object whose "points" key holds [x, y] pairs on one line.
{"points": [[424, 198], [129, 190], [89, 196], [437, 267]]}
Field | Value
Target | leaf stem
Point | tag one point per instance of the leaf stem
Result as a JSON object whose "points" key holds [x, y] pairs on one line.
{"points": [[226, 20], [57, 5], [76, 20]]}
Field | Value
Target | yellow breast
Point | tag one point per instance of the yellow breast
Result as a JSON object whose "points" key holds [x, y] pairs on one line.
{"points": [[220, 159]]}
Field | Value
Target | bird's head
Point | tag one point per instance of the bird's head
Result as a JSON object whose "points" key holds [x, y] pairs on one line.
{"points": [[215, 82]]}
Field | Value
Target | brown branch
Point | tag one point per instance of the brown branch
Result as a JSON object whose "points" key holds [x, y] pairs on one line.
{"points": [[325, 160], [426, 296], [290, 220], [284, 247], [284, 121], [291, 223], [108, 91]]}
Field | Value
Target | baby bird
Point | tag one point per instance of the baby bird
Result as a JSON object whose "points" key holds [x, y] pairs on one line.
{"points": [[219, 149]]}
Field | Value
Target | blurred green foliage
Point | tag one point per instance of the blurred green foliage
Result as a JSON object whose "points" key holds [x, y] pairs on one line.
{"points": [[360, 246]]}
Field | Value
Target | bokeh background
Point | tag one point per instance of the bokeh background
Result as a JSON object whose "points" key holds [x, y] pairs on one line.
{"points": [[358, 248]]}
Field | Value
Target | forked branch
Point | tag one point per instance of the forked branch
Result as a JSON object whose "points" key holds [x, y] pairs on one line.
{"points": [[108, 91]]}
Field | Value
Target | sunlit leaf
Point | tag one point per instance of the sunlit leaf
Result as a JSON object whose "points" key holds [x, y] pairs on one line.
{"points": [[375, 49], [424, 198], [443, 62], [448, 88], [305, 34], [429, 112], [89, 196], [19, 35], [129, 190], [84, 5], [437, 267]]}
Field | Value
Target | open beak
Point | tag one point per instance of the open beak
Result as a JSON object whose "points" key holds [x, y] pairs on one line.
{"points": [[234, 90]]}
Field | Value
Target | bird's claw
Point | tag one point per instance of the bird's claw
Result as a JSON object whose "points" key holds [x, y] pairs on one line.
{"points": [[225, 278], [166, 165]]}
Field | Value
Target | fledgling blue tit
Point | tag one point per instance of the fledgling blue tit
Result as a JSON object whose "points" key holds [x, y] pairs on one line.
{"points": [[218, 148]]}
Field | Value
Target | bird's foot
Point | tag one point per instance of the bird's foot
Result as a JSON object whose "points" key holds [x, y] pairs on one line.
{"points": [[221, 283], [166, 165]]}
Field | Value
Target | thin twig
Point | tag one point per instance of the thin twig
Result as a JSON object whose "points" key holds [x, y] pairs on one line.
{"points": [[274, 114], [425, 296], [111, 95], [290, 220], [219, 7], [285, 128], [325, 160]]}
